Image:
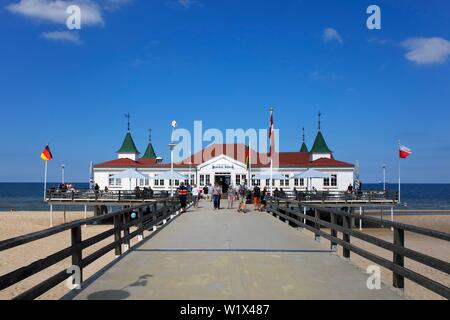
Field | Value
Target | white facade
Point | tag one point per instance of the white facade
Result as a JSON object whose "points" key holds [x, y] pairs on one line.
{"points": [[229, 170]]}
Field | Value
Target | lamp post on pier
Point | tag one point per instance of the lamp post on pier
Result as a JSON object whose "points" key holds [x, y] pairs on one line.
{"points": [[384, 177], [172, 145], [62, 173]]}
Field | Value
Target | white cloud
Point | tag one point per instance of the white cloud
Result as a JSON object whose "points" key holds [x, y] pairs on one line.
{"points": [[68, 36], [188, 3], [55, 10], [330, 34], [427, 50]]}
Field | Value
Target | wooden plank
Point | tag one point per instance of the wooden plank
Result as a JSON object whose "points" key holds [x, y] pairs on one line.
{"points": [[399, 260], [77, 251]]}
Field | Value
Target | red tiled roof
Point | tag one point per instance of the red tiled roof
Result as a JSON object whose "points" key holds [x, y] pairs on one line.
{"points": [[234, 151], [325, 162]]}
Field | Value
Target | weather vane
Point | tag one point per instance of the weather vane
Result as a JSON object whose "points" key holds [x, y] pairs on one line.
{"points": [[320, 114], [128, 116], [150, 135]]}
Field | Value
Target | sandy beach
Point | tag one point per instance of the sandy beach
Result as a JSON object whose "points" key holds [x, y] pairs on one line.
{"points": [[433, 247], [20, 223]]}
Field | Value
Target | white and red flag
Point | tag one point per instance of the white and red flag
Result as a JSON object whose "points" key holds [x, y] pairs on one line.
{"points": [[271, 133], [404, 152]]}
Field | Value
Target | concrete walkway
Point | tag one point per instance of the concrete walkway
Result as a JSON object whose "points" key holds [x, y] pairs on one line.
{"points": [[207, 254]]}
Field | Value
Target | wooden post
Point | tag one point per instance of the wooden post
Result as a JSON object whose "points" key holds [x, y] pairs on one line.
{"points": [[117, 235], [317, 225], [347, 224], [77, 253], [399, 260], [126, 231], [333, 231], [304, 212], [140, 225], [360, 220], [51, 215]]}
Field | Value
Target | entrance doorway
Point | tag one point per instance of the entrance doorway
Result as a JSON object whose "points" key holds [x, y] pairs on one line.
{"points": [[224, 180]]}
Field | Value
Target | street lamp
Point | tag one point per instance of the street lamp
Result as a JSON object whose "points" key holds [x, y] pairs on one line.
{"points": [[172, 146], [384, 177], [62, 173]]}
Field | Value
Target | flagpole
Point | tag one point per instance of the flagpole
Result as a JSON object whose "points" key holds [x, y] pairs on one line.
{"points": [[272, 131], [45, 180], [399, 175], [249, 169]]}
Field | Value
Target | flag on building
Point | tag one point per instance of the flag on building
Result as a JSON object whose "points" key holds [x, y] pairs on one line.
{"points": [[247, 156], [404, 152], [46, 154]]}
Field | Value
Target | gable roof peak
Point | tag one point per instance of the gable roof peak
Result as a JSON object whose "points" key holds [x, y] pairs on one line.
{"points": [[128, 145], [320, 146]]}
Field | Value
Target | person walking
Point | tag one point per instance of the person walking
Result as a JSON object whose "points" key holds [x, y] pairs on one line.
{"points": [[182, 192], [256, 198], [205, 192], [195, 195], [210, 192], [264, 196], [216, 193], [242, 198], [231, 196]]}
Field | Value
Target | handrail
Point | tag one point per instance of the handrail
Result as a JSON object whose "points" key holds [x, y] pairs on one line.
{"points": [[121, 232], [292, 211]]}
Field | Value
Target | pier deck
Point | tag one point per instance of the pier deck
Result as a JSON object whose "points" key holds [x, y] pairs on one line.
{"points": [[206, 254]]}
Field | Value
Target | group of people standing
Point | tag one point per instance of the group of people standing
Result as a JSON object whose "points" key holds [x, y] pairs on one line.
{"points": [[241, 193], [214, 193]]}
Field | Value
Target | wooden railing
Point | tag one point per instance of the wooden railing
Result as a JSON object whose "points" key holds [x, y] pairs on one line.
{"points": [[112, 195], [293, 211], [147, 216], [344, 196]]}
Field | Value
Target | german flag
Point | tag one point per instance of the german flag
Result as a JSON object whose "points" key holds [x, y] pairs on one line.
{"points": [[247, 156], [46, 154]]}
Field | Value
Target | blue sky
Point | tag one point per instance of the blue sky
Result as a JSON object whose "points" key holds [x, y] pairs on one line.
{"points": [[224, 62]]}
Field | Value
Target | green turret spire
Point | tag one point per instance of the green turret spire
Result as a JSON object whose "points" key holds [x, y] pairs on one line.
{"points": [[128, 145], [150, 152], [320, 146], [303, 148]]}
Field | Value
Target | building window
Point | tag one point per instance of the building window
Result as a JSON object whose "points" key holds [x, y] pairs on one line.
{"points": [[332, 183], [238, 179], [147, 182], [192, 179], [141, 182], [267, 182], [114, 181], [285, 182], [177, 182], [202, 180], [255, 182], [156, 182], [208, 179]]}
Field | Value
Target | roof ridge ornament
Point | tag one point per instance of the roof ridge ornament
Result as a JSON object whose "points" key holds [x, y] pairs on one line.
{"points": [[319, 121], [128, 116]]}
